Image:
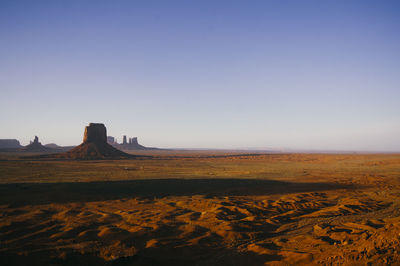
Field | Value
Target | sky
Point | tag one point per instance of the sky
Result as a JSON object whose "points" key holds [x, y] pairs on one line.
{"points": [[321, 75]]}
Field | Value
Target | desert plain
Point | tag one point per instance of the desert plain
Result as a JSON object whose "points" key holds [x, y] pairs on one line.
{"points": [[201, 208]]}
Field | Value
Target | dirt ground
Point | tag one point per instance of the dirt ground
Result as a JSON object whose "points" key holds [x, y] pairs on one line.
{"points": [[202, 209]]}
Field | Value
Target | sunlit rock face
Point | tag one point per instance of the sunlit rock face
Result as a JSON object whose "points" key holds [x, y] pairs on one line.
{"points": [[95, 133]]}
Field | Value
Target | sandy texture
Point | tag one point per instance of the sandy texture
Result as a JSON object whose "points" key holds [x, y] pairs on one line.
{"points": [[228, 210]]}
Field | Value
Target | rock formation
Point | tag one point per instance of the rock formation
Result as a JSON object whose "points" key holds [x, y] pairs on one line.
{"points": [[111, 140], [9, 144], [95, 133], [131, 144], [94, 146], [36, 146]]}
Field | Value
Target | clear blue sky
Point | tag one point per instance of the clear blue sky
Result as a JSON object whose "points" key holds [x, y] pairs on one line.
{"points": [[222, 74]]}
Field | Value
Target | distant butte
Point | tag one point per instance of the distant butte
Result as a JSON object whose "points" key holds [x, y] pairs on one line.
{"points": [[9, 144], [36, 146], [94, 146], [131, 144]]}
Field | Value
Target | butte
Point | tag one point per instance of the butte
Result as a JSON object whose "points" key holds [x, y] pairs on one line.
{"points": [[94, 146]]}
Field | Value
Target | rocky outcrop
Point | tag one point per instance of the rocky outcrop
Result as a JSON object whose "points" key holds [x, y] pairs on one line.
{"points": [[95, 133], [111, 140], [94, 146], [36, 146], [131, 144], [9, 144]]}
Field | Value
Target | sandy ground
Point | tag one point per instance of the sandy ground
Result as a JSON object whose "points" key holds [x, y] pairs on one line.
{"points": [[295, 209]]}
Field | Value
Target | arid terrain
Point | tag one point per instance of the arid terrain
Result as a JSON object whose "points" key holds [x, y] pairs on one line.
{"points": [[201, 209]]}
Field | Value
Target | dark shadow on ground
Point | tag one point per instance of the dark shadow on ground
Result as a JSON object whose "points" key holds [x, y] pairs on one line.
{"points": [[21, 194], [201, 257]]}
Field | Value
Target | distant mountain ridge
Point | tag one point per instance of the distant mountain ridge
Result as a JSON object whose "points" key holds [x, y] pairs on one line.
{"points": [[57, 147]]}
